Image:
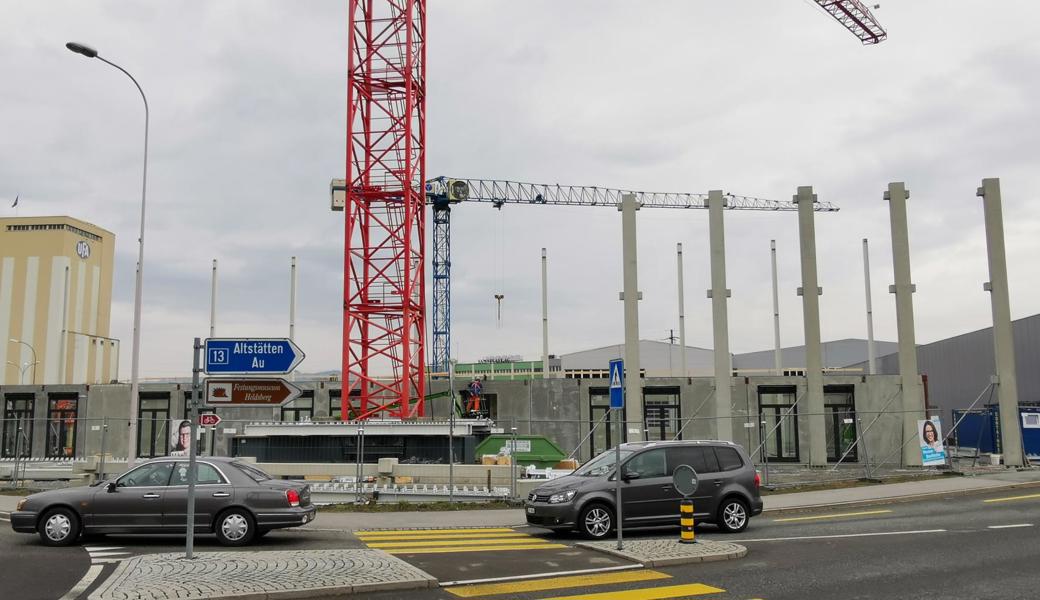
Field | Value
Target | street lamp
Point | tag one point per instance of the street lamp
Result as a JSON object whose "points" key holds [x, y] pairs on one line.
{"points": [[135, 351], [34, 362], [22, 368]]}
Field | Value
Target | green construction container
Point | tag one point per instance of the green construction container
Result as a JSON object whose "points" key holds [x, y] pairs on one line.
{"points": [[535, 450]]}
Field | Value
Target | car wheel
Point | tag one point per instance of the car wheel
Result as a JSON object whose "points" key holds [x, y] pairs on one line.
{"points": [[235, 528], [59, 527], [596, 521], [733, 515]]}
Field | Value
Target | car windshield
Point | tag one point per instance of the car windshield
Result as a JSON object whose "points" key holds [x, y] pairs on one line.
{"points": [[254, 473], [602, 464]]}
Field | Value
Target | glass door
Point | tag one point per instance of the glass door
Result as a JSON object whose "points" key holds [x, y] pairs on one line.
{"points": [[152, 425], [18, 414], [661, 413], [602, 438], [779, 417], [840, 409]]}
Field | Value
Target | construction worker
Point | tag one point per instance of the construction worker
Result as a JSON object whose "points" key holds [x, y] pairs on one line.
{"points": [[473, 404]]}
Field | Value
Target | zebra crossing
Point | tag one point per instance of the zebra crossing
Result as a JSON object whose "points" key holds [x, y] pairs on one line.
{"points": [[441, 541], [105, 554], [589, 586]]}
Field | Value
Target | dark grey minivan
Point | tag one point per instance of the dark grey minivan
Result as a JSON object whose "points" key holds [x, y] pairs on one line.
{"points": [[727, 495]]}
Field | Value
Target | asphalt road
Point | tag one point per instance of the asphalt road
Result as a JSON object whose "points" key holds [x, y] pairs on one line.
{"points": [[938, 548]]}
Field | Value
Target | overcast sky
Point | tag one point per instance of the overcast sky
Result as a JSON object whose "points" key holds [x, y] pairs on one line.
{"points": [[755, 98]]}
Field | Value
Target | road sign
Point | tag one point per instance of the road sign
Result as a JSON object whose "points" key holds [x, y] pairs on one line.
{"points": [[209, 420], [249, 392], [248, 356], [685, 480], [617, 383]]}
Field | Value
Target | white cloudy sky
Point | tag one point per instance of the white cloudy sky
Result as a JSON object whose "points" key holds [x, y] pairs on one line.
{"points": [[754, 97]]}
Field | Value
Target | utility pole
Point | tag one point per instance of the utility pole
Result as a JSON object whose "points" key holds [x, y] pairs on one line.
{"points": [[778, 364], [810, 292], [292, 307], [213, 303], [682, 315], [871, 354], [545, 317]]}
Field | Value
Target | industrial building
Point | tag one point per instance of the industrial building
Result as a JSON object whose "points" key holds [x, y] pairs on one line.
{"points": [[56, 301]]}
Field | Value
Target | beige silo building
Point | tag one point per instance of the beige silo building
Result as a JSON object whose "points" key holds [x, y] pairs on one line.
{"points": [[56, 301]]}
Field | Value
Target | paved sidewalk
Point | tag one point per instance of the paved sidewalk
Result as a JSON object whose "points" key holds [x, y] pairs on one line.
{"points": [[260, 575]]}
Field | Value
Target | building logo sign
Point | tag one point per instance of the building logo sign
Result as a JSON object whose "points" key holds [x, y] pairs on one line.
{"points": [[83, 249]]}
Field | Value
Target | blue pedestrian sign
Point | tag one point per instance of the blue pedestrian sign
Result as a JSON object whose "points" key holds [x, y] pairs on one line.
{"points": [[246, 356], [617, 384]]}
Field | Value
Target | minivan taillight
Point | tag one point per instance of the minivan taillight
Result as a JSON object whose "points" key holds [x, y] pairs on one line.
{"points": [[293, 497], [758, 480]]}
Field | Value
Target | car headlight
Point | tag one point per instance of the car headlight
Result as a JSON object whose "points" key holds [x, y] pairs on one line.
{"points": [[562, 497], [21, 504]]}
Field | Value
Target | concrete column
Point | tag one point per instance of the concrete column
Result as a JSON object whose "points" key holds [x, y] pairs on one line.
{"points": [[1003, 342], [913, 395], [810, 293], [682, 317], [778, 365], [719, 317], [545, 317], [871, 353], [633, 383]]}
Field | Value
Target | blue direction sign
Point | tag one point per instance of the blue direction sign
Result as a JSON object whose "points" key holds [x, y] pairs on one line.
{"points": [[251, 355], [617, 384]]}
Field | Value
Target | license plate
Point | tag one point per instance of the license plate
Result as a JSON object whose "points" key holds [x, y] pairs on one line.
{"points": [[530, 510]]}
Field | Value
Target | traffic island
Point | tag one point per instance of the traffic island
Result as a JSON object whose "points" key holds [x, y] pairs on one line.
{"points": [[260, 575], [662, 552]]}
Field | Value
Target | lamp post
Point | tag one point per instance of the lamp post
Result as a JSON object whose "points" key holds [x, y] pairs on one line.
{"points": [[34, 362], [135, 351], [22, 369]]}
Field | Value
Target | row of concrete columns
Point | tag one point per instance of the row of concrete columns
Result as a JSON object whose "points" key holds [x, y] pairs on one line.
{"points": [[912, 406]]}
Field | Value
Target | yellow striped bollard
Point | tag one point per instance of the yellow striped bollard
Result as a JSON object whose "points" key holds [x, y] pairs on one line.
{"points": [[686, 534]]}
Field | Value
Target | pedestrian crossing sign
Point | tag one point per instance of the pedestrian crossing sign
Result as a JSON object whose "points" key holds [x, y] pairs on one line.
{"points": [[617, 384]]}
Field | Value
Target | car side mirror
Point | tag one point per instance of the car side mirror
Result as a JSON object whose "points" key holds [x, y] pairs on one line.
{"points": [[110, 487], [630, 475]]}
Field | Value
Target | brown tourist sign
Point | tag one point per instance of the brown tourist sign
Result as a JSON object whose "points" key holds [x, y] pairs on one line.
{"points": [[249, 392]]}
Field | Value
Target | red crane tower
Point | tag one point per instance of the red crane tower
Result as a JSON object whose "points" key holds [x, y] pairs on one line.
{"points": [[384, 289], [384, 299]]}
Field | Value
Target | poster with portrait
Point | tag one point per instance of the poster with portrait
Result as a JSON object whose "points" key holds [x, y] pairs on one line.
{"points": [[180, 437], [929, 434]]}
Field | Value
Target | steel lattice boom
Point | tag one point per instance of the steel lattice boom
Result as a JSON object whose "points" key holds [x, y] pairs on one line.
{"points": [[499, 192], [857, 18], [383, 304], [442, 192]]}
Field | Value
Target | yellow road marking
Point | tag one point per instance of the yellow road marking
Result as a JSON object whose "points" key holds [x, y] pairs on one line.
{"points": [[397, 550], [443, 543], [433, 531], [555, 583], [658, 593], [837, 516], [441, 536], [1009, 499]]}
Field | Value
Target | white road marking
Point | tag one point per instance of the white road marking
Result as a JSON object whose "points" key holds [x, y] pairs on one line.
{"points": [[5, 519], [104, 554], [847, 535], [82, 585], [102, 548], [445, 584], [1010, 526]]}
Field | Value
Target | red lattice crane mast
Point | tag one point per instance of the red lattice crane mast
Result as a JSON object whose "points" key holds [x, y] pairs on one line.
{"points": [[384, 287], [384, 299]]}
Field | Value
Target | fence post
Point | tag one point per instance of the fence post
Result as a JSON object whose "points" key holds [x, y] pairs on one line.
{"points": [[17, 451]]}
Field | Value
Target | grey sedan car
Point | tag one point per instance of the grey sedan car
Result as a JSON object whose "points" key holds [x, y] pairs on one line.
{"points": [[233, 499]]}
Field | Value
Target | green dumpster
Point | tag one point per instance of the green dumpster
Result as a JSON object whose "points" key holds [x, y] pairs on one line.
{"points": [[535, 450]]}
